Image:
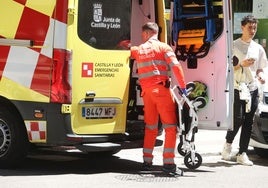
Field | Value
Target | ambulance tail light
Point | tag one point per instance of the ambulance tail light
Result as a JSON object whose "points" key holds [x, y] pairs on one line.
{"points": [[61, 88]]}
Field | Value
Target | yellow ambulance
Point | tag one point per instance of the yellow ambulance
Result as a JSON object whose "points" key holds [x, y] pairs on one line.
{"points": [[66, 79]]}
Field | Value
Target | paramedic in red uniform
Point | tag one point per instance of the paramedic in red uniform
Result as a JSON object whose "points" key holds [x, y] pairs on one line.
{"points": [[153, 60]]}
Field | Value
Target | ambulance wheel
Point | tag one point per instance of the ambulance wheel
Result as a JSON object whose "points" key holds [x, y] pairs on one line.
{"points": [[189, 163], [13, 138], [202, 102]]}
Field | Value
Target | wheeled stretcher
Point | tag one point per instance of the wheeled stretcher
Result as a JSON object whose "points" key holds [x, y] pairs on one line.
{"points": [[188, 124]]}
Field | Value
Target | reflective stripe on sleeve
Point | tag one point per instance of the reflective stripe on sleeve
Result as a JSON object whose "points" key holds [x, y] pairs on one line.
{"points": [[153, 73]]}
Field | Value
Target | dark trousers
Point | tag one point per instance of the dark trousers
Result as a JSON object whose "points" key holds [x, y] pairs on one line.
{"points": [[243, 119]]}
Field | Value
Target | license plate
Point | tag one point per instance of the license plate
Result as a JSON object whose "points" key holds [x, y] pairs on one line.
{"points": [[98, 112]]}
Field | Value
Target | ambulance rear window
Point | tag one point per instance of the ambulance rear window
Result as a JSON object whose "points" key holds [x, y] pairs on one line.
{"points": [[104, 24]]}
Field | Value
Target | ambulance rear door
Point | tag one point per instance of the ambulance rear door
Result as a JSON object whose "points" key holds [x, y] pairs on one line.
{"points": [[212, 65], [98, 36]]}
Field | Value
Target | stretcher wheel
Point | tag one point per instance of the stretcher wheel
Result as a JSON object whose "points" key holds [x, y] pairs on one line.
{"points": [[202, 102], [189, 163], [181, 151], [190, 86]]}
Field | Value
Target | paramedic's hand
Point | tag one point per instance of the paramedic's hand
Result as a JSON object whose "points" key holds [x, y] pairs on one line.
{"points": [[184, 91]]}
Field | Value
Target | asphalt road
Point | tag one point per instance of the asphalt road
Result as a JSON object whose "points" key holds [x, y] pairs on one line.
{"points": [[51, 170]]}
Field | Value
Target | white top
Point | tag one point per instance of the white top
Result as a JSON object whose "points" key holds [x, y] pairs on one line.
{"points": [[243, 50]]}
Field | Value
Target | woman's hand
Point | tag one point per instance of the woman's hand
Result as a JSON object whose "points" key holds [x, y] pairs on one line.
{"points": [[260, 75], [247, 62]]}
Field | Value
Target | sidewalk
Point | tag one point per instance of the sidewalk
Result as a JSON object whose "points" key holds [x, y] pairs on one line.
{"points": [[212, 141], [208, 143]]}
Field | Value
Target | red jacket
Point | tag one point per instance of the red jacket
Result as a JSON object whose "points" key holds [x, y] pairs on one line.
{"points": [[154, 59]]}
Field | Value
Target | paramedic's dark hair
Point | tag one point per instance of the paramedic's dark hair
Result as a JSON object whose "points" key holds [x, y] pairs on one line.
{"points": [[151, 26], [248, 19]]}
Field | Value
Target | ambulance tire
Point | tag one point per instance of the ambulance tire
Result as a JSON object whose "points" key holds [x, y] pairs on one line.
{"points": [[14, 143], [192, 164]]}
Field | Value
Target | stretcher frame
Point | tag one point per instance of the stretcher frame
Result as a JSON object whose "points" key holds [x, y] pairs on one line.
{"points": [[186, 146]]}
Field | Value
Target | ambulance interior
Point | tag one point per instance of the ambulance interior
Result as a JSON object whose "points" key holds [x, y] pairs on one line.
{"points": [[197, 31]]}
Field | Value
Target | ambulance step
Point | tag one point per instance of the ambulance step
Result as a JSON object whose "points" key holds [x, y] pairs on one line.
{"points": [[93, 147]]}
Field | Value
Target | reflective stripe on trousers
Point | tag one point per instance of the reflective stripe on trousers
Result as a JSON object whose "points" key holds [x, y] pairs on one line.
{"points": [[151, 132], [158, 102]]}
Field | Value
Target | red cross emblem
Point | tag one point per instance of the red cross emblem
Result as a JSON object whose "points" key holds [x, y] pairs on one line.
{"points": [[87, 69]]}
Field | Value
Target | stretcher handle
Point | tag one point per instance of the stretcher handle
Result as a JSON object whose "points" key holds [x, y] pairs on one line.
{"points": [[180, 90], [188, 90]]}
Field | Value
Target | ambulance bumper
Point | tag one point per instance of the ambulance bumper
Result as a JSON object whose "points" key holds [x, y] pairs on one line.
{"points": [[95, 143]]}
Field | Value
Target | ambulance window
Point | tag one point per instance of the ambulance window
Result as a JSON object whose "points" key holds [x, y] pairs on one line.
{"points": [[104, 24]]}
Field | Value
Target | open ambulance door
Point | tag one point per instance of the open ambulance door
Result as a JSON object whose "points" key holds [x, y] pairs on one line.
{"points": [[202, 39]]}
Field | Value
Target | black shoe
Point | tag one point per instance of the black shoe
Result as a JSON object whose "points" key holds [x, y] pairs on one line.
{"points": [[146, 166], [172, 169]]}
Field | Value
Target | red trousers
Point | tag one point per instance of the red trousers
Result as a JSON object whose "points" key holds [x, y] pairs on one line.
{"points": [[159, 103]]}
